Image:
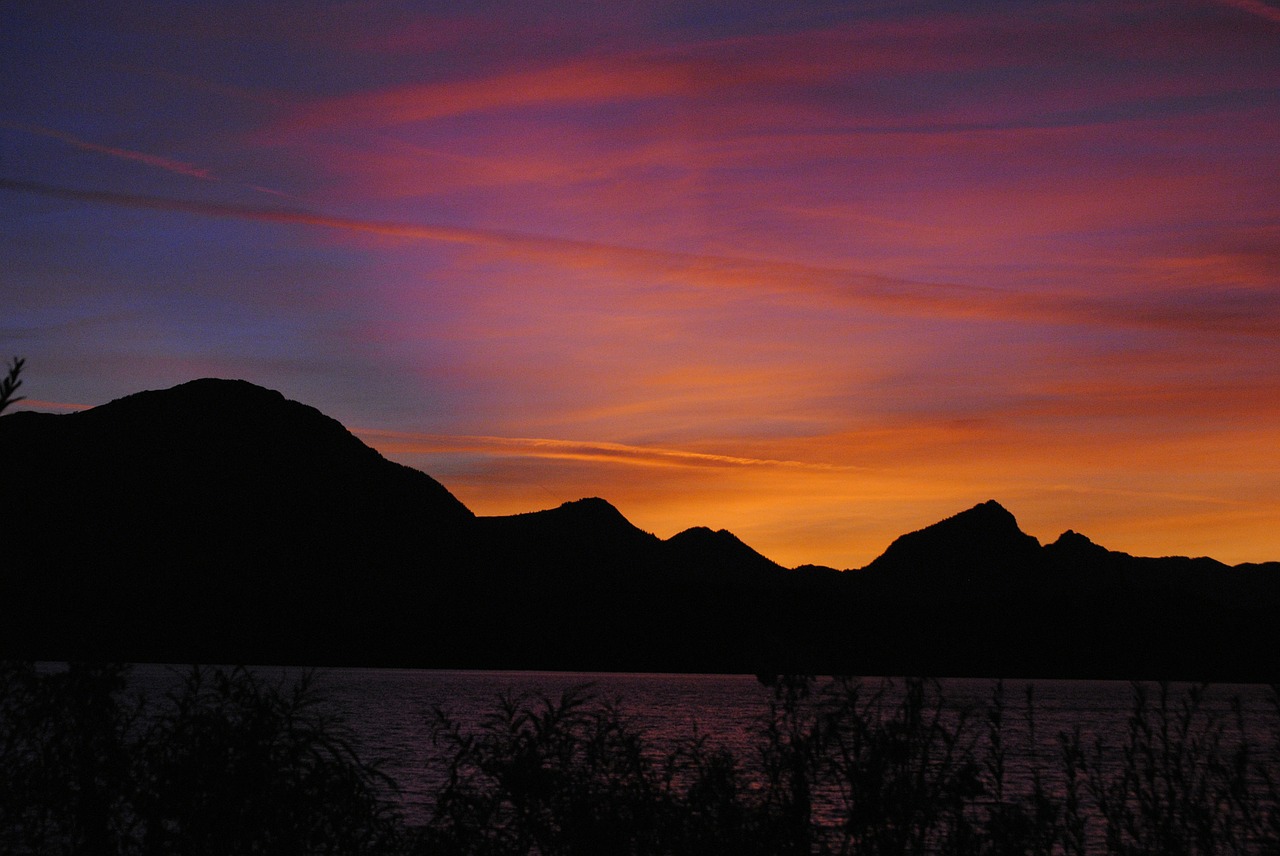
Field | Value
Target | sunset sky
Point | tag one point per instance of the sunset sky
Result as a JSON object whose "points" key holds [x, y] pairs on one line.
{"points": [[817, 273]]}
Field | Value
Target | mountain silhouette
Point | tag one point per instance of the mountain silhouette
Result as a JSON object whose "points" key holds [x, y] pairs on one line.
{"points": [[588, 530], [975, 541], [217, 514], [721, 557], [218, 521]]}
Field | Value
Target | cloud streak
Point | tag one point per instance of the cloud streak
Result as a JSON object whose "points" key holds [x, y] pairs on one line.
{"points": [[167, 164], [170, 165], [1252, 314], [401, 442], [61, 406], [818, 274]]}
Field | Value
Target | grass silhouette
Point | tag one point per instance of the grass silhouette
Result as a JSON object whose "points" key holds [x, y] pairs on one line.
{"points": [[226, 764], [229, 763], [10, 382]]}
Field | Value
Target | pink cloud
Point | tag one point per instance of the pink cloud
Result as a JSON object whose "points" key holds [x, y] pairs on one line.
{"points": [[851, 61], [38, 404], [1183, 310]]}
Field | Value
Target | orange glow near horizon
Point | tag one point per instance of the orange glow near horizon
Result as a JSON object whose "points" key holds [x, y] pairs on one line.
{"points": [[800, 507]]}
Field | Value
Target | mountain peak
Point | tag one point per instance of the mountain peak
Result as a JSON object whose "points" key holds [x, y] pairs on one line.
{"points": [[560, 538], [592, 510], [591, 505], [718, 549], [985, 520], [225, 444], [1073, 545], [704, 535], [985, 535], [221, 412], [1073, 539], [590, 514], [198, 396], [990, 511]]}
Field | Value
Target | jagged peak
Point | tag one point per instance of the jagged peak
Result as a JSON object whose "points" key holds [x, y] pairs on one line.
{"points": [[989, 510], [986, 527], [985, 517], [718, 546], [1072, 538], [705, 535], [1073, 543]]}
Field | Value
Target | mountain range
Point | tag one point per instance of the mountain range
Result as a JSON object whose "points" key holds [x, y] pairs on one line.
{"points": [[218, 521]]}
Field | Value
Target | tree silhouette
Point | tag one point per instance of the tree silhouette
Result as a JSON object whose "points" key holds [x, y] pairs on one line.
{"points": [[11, 383]]}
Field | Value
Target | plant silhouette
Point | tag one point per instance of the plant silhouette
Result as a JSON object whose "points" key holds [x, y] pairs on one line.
{"points": [[226, 764], [10, 383], [229, 763]]}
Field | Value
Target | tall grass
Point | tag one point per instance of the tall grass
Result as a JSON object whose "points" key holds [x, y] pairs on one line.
{"points": [[852, 767], [1188, 781], [228, 763]]}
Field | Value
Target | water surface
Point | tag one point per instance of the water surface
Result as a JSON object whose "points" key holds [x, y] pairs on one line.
{"points": [[391, 711]]}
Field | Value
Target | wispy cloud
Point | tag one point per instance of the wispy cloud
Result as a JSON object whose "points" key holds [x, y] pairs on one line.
{"points": [[167, 164], [1254, 313], [61, 406], [834, 71], [816, 275], [402, 442]]}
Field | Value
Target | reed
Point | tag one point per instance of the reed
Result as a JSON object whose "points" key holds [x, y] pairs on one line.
{"points": [[229, 763], [852, 767]]}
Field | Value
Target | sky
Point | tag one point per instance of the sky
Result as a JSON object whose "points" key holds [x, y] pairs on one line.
{"points": [[817, 273]]}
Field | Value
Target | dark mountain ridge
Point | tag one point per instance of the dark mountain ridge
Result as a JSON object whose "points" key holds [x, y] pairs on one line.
{"points": [[963, 543], [219, 521]]}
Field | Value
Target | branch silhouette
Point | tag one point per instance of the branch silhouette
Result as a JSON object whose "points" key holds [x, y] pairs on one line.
{"points": [[11, 383]]}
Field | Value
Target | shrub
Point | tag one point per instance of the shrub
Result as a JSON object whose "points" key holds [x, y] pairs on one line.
{"points": [[565, 776], [228, 764], [234, 764], [66, 757]]}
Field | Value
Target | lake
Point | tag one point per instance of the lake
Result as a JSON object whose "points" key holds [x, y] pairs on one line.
{"points": [[390, 712]]}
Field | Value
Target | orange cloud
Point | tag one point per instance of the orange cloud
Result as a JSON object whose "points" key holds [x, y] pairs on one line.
{"points": [[408, 443]]}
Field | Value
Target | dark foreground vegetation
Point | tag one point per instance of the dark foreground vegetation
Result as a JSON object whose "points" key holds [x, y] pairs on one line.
{"points": [[231, 764]]}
